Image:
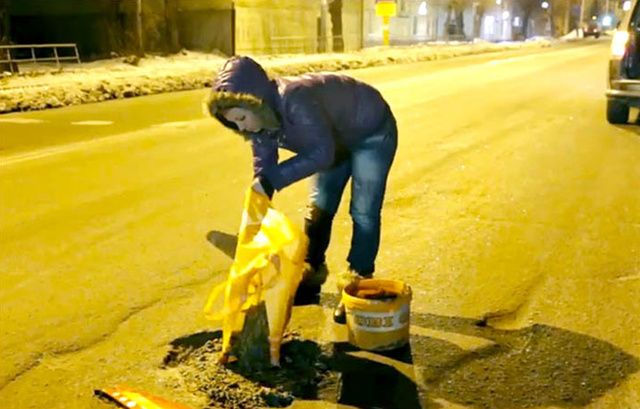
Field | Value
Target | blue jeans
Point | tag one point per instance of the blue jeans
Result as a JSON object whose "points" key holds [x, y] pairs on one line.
{"points": [[368, 166]]}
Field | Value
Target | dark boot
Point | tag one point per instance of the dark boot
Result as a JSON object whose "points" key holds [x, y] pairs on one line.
{"points": [[317, 226], [309, 289]]}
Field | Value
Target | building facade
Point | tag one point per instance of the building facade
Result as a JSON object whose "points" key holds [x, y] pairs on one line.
{"points": [[101, 28]]}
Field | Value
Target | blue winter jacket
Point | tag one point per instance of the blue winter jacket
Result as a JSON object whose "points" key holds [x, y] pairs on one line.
{"points": [[320, 117]]}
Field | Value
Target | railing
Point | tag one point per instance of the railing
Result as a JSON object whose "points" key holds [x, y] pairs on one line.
{"points": [[6, 50], [297, 43], [314, 44], [304, 44]]}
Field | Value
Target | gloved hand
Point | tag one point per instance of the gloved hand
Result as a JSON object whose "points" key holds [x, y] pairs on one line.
{"points": [[262, 186]]}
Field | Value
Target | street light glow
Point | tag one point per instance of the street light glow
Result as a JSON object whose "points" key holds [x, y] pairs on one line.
{"points": [[606, 21], [498, 2], [626, 5], [545, 5], [422, 9], [488, 24]]}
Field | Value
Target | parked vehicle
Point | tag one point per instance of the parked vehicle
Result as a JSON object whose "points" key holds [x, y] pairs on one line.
{"points": [[623, 89], [592, 29]]}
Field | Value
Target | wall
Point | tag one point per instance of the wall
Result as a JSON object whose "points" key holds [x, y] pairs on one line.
{"points": [[89, 24], [283, 26], [203, 25], [494, 25], [352, 24], [408, 27], [101, 27]]}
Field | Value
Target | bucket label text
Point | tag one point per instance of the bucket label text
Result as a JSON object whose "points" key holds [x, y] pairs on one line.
{"points": [[379, 322]]}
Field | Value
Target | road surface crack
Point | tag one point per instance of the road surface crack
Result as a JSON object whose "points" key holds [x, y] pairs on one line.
{"points": [[514, 314], [40, 357]]}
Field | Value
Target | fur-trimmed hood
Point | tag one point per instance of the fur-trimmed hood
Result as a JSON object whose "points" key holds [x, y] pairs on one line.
{"points": [[243, 83]]}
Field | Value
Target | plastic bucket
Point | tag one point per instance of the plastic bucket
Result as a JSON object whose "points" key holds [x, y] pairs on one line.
{"points": [[377, 313]]}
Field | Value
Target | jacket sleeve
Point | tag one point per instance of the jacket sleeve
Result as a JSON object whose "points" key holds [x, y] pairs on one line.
{"points": [[265, 154], [265, 159], [311, 130]]}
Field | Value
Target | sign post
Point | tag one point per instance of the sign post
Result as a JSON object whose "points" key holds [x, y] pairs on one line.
{"points": [[385, 9]]}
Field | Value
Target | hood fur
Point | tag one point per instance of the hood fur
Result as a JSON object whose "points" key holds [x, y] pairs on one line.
{"points": [[220, 101], [243, 83]]}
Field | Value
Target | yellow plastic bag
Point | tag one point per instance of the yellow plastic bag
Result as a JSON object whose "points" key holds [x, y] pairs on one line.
{"points": [[268, 267]]}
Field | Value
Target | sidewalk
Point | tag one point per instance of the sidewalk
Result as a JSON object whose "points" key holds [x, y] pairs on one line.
{"points": [[114, 79]]}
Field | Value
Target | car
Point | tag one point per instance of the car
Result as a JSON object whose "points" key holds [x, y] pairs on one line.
{"points": [[623, 88], [592, 29]]}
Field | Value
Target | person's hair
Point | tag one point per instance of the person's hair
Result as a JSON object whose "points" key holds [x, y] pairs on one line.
{"points": [[220, 116], [220, 102]]}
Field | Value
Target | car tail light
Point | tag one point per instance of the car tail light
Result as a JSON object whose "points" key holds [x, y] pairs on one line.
{"points": [[619, 43]]}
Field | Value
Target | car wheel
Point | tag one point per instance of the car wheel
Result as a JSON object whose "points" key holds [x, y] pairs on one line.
{"points": [[597, 36], [617, 112]]}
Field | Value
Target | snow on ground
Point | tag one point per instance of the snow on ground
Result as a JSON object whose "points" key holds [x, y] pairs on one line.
{"points": [[572, 35], [117, 78]]}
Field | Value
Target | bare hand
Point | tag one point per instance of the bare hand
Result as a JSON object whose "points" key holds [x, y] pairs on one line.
{"points": [[257, 186]]}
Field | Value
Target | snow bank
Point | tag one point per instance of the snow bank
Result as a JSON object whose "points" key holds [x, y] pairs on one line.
{"points": [[116, 78], [572, 35]]}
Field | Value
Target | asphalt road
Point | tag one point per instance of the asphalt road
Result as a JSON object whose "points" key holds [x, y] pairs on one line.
{"points": [[511, 201]]}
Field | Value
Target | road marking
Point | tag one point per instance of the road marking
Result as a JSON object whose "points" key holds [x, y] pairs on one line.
{"points": [[510, 59], [62, 149], [92, 123], [21, 120], [43, 153], [172, 124], [628, 278], [76, 146]]}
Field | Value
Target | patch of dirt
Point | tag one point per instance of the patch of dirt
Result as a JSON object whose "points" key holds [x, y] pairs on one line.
{"points": [[305, 372]]}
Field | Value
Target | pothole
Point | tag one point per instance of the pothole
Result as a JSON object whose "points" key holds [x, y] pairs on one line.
{"points": [[305, 373]]}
